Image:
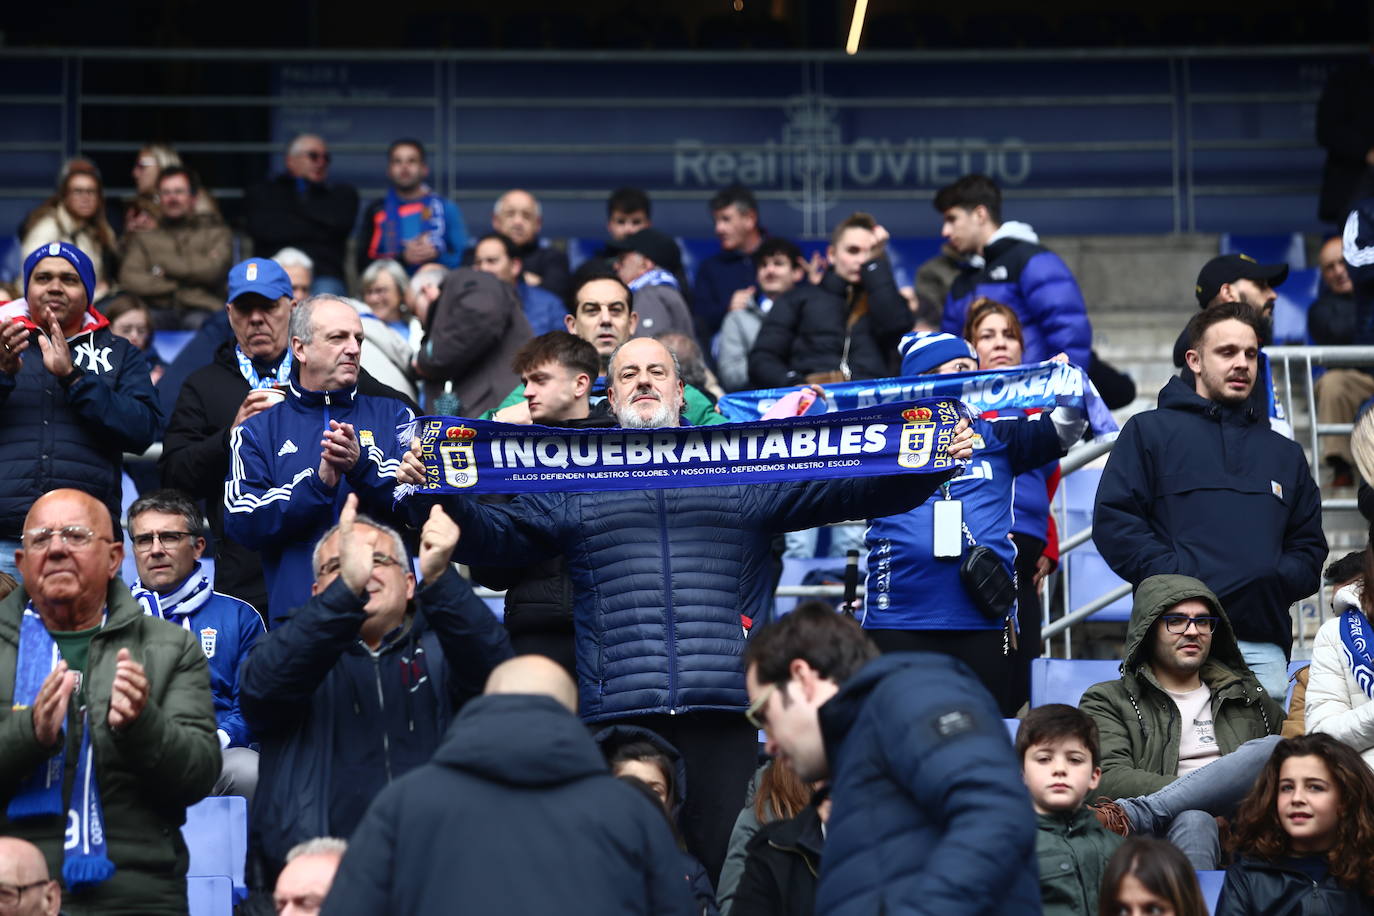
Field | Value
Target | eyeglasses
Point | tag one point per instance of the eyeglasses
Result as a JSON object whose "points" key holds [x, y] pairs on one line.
{"points": [[755, 711], [1177, 623], [170, 540], [329, 567], [74, 536], [10, 893]]}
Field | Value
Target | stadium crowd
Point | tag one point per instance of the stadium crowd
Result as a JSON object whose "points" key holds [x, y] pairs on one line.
{"points": [[300, 631]]}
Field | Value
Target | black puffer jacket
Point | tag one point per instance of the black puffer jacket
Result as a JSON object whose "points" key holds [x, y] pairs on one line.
{"points": [[54, 435], [1255, 887], [780, 872], [806, 330]]}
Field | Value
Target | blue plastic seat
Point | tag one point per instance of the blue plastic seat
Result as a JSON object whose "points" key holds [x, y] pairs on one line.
{"points": [[1013, 726], [1290, 311], [169, 343], [1063, 680], [1293, 668], [216, 835], [1090, 577], [210, 895], [581, 249], [1210, 882], [1270, 248]]}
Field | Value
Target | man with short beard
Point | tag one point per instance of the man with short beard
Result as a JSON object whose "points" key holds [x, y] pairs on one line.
{"points": [[412, 224], [667, 582], [73, 396], [1202, 487]]}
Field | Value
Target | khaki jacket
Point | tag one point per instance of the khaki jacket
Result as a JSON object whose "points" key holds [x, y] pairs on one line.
{"points": [[182, 266]]}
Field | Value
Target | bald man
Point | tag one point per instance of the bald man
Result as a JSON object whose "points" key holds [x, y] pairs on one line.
{"points": [[25, 888], [518, 216], [116, 702], [516, 814]]}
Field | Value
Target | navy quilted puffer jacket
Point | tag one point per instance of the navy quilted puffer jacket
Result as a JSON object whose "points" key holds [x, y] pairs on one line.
{"points": [[661, 577]]}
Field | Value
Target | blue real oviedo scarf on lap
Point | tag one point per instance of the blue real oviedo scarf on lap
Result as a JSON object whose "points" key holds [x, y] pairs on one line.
{"points": [[40, 794], [1355, 647]]}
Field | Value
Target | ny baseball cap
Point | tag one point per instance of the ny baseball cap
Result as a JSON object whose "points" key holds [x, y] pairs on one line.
{"points": [[258, 275]]}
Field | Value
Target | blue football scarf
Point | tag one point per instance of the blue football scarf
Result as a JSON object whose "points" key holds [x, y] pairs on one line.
{"points": [[654, 276], [178, 605], [40, 794], [1040, 385], [1355, 648], [407, 219], [255, 381], [477, 456]]}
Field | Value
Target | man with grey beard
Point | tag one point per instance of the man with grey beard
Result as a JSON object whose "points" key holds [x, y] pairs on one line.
{"points": [[667, 583]]}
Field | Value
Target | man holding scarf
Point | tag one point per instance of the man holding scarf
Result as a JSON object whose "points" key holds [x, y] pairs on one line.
{"points": [[413, 224], [107, 729]]}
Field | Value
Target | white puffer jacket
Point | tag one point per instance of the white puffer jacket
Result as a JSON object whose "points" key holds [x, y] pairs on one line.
{"points": [[1336, 704]]}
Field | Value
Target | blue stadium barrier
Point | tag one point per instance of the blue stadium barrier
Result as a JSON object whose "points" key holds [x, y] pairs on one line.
{"points": [[1089, 578], [1272, 248], [1210, 882], [216, 835], [210, 896], [1295, 298], [1013, 726], [1063, 680], [169, 343]]}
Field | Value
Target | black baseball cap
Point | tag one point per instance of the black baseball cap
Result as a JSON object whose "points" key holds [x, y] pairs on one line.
{"points": [[1228, 268], [657, 246]]}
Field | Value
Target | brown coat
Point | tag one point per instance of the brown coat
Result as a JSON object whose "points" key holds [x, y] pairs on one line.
{"points": [[182, 266], [471, 336], [1296, 723]]}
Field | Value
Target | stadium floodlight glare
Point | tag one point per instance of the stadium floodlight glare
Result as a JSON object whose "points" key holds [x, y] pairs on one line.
{"points": [[856, 27]]}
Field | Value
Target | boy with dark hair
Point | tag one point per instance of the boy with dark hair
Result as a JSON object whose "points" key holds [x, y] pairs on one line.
{"points": [[1061, 765], [628, 210], [1005, 261], [778, 268]]}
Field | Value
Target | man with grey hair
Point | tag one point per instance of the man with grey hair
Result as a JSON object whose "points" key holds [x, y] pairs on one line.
{"points": [[495, 808], [299, 268], [288, 477], [303, 209], [359, 685], [518, 216], [304, 882], [666, 584]]}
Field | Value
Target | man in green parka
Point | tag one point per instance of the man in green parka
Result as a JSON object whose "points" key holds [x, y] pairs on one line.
{"points": [[1187, 726], [107, 726]]}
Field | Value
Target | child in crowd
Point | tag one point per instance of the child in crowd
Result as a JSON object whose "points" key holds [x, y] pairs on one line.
{"points": [[1150, 877], [1304, 836], [1060, 763], [129, 318]]}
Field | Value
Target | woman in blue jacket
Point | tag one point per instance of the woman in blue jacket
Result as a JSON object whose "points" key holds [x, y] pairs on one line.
{"points": [[916, 600]]}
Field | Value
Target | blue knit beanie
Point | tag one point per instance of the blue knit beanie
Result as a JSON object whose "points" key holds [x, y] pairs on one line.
{"points": [[924, 351], [69, 253]]}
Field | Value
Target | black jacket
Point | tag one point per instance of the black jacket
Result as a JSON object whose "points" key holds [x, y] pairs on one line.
{"points": [[1202, 490], [75, 435], [1255, 887], [195, 459], [806, 330], [539, 597], [318, 221], [783, 861], [337, 722], [516, 814]]}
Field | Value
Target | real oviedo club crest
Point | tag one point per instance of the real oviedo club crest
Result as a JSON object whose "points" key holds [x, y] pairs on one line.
{"points": [[459, 462]]}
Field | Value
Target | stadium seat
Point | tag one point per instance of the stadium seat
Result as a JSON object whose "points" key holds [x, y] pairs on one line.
{"points": [[694, 251], [1210, 882], [1063, 680], [1290, 311], [1077, 493], [216, 835], [127, 569], [1090, 577], [210, 895], [908, 254], [1013, 726], [1293, 668], [1278, 248]]}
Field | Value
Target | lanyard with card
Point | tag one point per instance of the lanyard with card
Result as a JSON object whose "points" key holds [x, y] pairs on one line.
{"points": [[948, 536]]}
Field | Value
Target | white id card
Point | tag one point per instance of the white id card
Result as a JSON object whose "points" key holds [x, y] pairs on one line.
{"points": [[948, 540]]}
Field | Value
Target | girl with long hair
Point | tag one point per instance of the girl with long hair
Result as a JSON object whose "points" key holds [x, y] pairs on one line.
{"points": [[76, 214], [1304, 836], [1150, 877]]}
